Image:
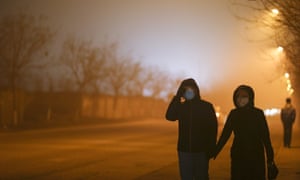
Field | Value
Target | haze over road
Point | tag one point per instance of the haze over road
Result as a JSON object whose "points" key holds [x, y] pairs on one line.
{"points": [[93, 152], [144, 149]]}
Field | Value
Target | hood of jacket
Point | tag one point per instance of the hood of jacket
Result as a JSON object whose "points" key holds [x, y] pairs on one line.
{"points": [[250, 92], [191, 83]]}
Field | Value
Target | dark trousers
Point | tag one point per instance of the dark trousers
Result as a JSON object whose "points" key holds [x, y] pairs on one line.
{"points": [[287, 134], [193, 166]]}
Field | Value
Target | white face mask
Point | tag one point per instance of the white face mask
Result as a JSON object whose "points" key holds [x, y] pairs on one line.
{"points": [[242, 101]]}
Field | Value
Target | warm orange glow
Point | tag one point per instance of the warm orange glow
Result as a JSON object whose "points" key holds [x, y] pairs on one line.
{"points": [[275, 11], [180, 38], [286, 75], [289, 87], [291, 91], [280, 49]]}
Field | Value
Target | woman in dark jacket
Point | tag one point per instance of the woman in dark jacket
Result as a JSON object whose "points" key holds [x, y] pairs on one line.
{"points": [[251, 137], [197, 125]]}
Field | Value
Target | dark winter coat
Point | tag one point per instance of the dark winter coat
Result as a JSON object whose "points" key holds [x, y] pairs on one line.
{"points": [[251, 139], [197, 122], [288, 115]]}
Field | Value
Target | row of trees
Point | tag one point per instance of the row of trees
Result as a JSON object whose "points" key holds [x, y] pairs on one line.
{"points": [[285, 25], [103, 70], [30, 62]]}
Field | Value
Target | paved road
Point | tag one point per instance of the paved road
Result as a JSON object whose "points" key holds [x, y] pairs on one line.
{"points": [[117, 151], [132, 150]]}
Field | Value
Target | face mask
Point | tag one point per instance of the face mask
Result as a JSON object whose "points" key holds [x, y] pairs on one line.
{"points": [[189, 94], [242, 101]]}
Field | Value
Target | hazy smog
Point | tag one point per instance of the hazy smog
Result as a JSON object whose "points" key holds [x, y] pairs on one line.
{"points": [[198, 39], [93, 81]]}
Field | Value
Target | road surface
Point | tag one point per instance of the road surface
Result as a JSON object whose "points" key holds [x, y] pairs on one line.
{"points": [[116, 151], [138, 150]]}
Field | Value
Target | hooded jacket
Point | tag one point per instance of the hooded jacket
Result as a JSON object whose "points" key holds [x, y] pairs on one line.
{"points": [[197, 121], [251, 137]]}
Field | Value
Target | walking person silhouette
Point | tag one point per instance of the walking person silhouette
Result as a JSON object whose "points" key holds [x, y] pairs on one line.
{"points": [[288, 116], [197, 126], [251, 139]]}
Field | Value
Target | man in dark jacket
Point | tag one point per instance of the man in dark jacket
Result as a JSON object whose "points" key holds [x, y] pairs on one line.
{"points": [[288, 115], [251, 137], [197, 124]]}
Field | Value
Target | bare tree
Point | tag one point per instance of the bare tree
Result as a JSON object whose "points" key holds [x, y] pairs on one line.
{"points": [[83, 61], [159, 83], [285, 23], [23, 39], [122, 72], [140, 80]]}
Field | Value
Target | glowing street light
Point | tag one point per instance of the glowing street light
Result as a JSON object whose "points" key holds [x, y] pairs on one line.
{"points": [[275, 11], [280, 49], [291, 91], [289, 87], [287, 75]]}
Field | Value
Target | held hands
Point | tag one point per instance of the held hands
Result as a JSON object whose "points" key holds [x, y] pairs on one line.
{"points": [[213, 153]]}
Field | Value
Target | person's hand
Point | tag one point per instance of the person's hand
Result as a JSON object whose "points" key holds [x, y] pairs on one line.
{"points": [[212, 154], [180, 91], [215, 152]]}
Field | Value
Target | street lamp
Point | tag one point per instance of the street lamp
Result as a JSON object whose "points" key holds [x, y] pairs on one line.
{"points": [[275, 11], [280, 49], [287, 75], [291, 91], [289, 87]]}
